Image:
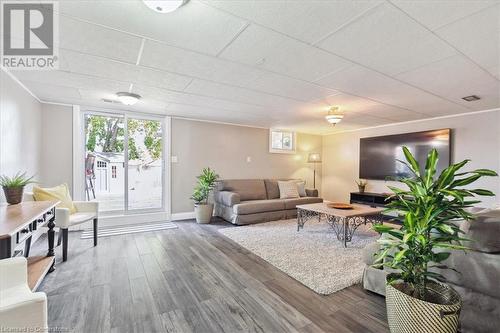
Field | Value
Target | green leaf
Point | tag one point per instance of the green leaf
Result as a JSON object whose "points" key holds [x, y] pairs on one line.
{"points": [[483, 192], [430, 167], [412, 161], [441, 256], [400, 255], [382, 228], [485, 172], [465, 181]]}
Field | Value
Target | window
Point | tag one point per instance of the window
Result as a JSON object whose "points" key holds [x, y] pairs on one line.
{"points": [[101, 164], [281, 141], [113, 171]]}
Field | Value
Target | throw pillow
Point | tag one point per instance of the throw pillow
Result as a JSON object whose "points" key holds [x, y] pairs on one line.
{"points": [[59, 193], [288, 190], [301, 188]]}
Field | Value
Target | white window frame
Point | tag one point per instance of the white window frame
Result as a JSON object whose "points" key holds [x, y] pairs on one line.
{"points": [[131, 216], [282, 151]]}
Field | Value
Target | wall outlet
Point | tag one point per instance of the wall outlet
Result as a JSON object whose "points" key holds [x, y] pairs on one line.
{"points": [[174, 159]]}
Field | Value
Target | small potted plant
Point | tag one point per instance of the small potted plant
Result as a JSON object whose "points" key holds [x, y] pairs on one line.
{"points": [[417, 298], [13, 187], [361, 185], [201, 193]]}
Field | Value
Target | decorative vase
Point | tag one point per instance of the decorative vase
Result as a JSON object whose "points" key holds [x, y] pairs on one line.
{"points": [[361, 188], [203, 213], [407, 314], [13, 195]]}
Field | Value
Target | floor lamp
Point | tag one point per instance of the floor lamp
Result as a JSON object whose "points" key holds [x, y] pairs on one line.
{"points": [[314, 158]]}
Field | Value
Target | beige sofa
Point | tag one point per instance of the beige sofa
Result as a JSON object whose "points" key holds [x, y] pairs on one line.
{"points": [[247, 201], [477, 277]]}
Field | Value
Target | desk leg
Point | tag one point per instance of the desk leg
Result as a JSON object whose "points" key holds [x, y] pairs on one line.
{"points": [[51, 237], [27, 247]]}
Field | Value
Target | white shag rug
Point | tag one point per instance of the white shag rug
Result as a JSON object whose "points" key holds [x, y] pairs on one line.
{"points": [[313, 256]]}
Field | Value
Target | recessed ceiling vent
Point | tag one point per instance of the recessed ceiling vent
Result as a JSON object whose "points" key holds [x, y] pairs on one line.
{"points": [[471, 98]]}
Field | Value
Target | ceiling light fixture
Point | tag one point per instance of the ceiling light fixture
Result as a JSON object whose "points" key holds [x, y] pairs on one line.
{"points": [[334, 116], [164, 6], [128, 98]]}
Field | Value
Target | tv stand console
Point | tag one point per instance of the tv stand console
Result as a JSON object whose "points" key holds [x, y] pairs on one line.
{"points": [[370, 198]]}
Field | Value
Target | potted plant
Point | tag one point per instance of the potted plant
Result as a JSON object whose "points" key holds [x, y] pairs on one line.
{"points": [[361, 185], [13, 187], [417, 298], [202, 208]]}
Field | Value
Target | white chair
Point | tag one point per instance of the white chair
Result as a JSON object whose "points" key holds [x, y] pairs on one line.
{"points": [[86, 211], [21, 310]]}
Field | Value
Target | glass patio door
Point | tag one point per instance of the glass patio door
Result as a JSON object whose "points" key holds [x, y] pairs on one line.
{"points": [[124, 162], [145, 164]]}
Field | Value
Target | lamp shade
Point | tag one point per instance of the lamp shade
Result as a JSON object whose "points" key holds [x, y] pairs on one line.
{"points": [[314, 158]]}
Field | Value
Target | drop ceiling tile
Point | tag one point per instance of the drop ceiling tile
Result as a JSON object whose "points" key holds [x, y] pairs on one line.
{"points": [[161, 56], [397, 43], [369, 84], [477, 36], [269, 50], [358, 105], [197, 100], [239, 95], [71, 80], [186, 111], [284, 86], [304, 20], [194, 26], [105, 68], [434, 14], [49, 92], [93, 39], [454, 78]]}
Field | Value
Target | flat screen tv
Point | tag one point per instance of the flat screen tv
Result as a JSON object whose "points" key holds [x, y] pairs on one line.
{"points": [[379, 155]]}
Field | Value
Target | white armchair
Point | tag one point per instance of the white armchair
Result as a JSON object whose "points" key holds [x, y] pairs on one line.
{"points": [[85, 211], [20, 308]]}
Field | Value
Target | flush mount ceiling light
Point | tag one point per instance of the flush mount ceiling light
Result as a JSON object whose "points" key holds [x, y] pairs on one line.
{"points": [[164, 6], [128, 98], [334, 116], [471, 98]]}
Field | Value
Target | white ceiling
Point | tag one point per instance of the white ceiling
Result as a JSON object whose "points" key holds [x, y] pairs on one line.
{"points": [[280, 63]]}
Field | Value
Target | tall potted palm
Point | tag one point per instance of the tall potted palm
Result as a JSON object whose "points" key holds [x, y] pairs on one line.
{"points": [[201, 194], [417, 298]]}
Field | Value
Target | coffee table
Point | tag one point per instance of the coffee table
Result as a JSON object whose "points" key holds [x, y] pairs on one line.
{"points": [[344, 222]]}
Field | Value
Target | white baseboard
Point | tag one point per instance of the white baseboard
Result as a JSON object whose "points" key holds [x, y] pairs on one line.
{"points": [[129, 219], [183, 216]]}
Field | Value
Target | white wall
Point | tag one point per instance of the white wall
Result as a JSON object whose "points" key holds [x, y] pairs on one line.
{"points": [[474, 136], [20, 130], [57, 141]]}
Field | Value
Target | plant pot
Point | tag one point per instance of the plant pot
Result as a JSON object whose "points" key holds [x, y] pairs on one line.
{"points": [[407, 314], [13, 195], [361, 189], [203, 212]]}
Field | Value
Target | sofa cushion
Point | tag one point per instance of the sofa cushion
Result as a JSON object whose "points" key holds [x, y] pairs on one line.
{"points": [[248, 189], [484, 231], [292, 203], [258, 206], [272, 189], [288, 189]]}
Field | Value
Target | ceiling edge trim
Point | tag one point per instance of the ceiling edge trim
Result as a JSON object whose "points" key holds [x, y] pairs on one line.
{"points": [[15, 79], [416, 121]]}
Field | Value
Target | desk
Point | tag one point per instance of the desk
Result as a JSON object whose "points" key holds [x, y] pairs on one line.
{"points": [[17, 224]]}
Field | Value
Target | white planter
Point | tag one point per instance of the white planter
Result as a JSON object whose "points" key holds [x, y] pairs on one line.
{"points": [[203, 213]]}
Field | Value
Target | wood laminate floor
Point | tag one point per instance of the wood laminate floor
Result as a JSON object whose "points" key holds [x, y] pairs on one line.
{"points": [[191, 279]]}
